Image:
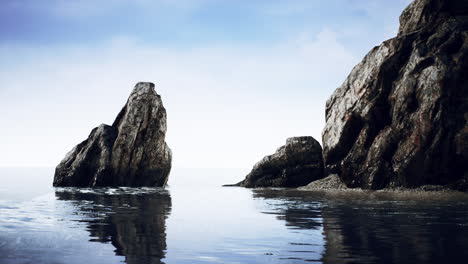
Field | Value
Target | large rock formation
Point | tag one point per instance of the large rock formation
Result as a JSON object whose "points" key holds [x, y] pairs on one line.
{"points": [[296, 164], [131, 152], [401, 117]]}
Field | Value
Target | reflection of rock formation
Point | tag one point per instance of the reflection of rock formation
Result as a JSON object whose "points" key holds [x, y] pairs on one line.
{"points": [[296, 213], [389, 233], [357, 229], [133, 223], [302, 219]]}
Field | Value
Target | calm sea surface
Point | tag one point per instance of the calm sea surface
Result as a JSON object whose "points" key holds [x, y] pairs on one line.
{"points": [[195, 220]]}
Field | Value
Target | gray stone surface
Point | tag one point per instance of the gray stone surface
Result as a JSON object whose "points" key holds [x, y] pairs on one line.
{"points": [[295, 164], [331, 182], [401, 116], [131, 152]]}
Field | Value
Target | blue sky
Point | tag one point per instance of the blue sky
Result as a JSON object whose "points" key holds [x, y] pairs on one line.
{"points": [[194, 22], [237, 77]]}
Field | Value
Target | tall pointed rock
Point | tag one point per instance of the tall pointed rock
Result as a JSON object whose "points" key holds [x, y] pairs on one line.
{"points": [[131, 152]]}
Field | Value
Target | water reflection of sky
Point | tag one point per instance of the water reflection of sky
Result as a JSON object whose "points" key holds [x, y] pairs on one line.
{"points": [[197, 221], [44, 230]]}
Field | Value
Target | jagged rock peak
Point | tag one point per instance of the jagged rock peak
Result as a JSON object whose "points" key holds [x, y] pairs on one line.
{"points": [[143, 89], [423, 13], [295, 164], [131, 152]]}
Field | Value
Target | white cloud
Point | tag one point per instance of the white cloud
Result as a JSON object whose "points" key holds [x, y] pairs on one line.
{"points": [[227, 106]]}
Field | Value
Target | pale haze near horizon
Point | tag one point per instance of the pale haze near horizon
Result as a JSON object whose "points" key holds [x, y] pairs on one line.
{"points": [[236, 77]]}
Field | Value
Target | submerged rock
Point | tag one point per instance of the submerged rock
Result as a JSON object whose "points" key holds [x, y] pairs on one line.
{"points": [[295, 164], [401, 116], [131, 152]]}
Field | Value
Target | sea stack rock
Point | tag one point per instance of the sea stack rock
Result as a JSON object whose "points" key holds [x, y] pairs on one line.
{"points": [[401, 117], [295, 164], [132, 152]]}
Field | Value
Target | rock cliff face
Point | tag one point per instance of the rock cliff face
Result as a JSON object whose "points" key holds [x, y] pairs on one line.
{"points": [[401, 117], [131, 152], [296, 164]]}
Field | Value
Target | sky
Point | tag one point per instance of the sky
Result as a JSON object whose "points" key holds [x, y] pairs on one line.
{"points": [[237, 77]]}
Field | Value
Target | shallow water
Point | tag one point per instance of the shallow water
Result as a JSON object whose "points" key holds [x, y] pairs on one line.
{"points": [[197, 221]]}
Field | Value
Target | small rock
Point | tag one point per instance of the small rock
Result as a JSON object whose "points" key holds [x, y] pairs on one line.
{"points": [[331, 182], [296, 164]]}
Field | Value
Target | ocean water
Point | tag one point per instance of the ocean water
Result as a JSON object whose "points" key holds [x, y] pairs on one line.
{"points": [[195, 220]]}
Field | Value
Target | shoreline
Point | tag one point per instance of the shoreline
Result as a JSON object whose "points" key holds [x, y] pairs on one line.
{"points": [[333, 187]]}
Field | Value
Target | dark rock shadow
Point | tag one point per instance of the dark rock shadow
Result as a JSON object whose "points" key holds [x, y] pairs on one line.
{"points": [[291, 208], [388, 229], [132, 220], [395, 232]]}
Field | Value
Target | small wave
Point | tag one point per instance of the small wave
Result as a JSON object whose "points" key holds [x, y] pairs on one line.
{"points": [[113, 190]]}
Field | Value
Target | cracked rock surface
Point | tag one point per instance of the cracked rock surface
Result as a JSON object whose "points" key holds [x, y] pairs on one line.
{"points": [[131, 152], [401, 117]]}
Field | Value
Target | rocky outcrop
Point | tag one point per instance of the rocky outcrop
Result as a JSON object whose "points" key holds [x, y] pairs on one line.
{"points": [[295, 164], [131, 152], [401, 116]]}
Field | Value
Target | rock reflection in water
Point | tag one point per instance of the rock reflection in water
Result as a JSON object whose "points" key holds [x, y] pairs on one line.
{"points": [[396, 231], [304, 221], [294, 211], [133, 220], [386, 229]]}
